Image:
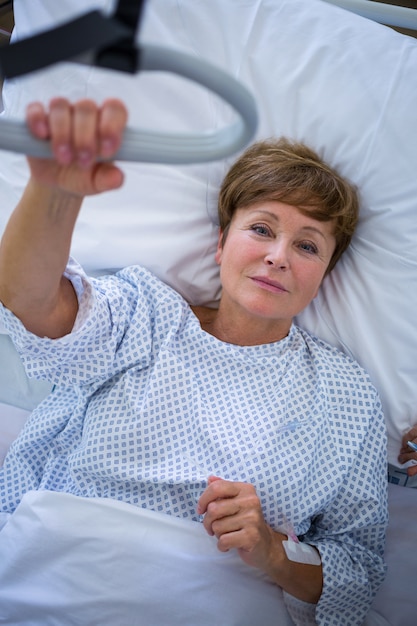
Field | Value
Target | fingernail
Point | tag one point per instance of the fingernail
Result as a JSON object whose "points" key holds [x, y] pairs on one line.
{"points": [[64, 154], [107, 147], [41, 129], [84, 158]]}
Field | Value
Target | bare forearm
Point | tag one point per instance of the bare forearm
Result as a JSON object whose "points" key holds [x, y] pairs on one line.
{"points": [[301, 580], [36, 243], [33, 254]]}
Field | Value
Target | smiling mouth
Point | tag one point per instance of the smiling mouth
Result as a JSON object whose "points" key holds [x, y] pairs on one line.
{"points": [[268, 284]]}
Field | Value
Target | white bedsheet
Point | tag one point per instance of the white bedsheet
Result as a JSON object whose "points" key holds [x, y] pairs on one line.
{"points": [[67, 561], [396, 599]]}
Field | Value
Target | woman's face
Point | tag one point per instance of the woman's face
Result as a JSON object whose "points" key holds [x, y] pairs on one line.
{"points": [[272, 263]]}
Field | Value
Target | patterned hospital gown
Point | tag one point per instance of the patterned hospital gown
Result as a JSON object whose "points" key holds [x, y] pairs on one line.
{"points": [[147, 405]]}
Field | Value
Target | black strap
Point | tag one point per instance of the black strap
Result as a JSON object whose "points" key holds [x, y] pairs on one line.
{"points": [[124, 56], [112, 38], [129, 12]]}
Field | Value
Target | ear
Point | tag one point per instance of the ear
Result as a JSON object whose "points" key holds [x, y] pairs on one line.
{"points": [[219, 250]]}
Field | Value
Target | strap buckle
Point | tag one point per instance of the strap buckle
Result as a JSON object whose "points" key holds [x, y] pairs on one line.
{"points": [[125, 55]]}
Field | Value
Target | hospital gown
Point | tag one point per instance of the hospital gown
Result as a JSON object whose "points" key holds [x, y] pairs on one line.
{"points": [[146, 405]]}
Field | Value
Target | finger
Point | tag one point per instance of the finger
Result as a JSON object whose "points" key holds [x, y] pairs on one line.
{"points": [[410, 435], [85, 128], [37, 120], [247, 522], [222, 516], [404, 444], [243, 539], [404, 457], [107, 177], [217, 489], [243, 534], [60, 125], [211, 479], [412, 471], [231, 540], [112, 122]]}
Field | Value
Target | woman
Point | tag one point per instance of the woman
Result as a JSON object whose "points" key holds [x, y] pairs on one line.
{"points": [[234, 415]]}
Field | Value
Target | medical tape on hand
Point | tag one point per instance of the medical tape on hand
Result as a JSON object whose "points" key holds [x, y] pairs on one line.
{"points": [[301, 552]]}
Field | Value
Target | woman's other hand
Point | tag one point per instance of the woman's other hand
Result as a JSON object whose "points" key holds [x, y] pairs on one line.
{"points": [[232, 512]]}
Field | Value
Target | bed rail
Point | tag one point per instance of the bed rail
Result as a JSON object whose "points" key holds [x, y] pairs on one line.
{"points": [[389, 14]]}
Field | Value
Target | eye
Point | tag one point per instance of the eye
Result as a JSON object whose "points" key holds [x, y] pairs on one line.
{"points": [[261, 229], [308, 246]]}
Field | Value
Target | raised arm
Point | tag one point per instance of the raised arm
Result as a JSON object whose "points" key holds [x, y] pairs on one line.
{"points": [[36, 243]]}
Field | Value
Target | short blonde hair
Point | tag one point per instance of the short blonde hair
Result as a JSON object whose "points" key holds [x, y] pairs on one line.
{"points": [[292, 173]]}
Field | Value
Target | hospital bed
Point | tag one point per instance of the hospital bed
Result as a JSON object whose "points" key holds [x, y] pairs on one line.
{"points": [[336, 79]]}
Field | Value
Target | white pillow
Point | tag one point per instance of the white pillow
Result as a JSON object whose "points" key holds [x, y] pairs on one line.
{"points": [[337, 81]]}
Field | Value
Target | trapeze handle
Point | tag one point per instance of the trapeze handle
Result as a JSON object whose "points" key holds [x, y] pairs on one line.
{"points": [[155, 147]]}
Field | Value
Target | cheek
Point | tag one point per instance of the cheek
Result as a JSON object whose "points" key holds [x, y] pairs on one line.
{"points": [[312, 280], [238, 251]]}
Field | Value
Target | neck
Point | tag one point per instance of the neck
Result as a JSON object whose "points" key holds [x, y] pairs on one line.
{"points": [[240, 332]]}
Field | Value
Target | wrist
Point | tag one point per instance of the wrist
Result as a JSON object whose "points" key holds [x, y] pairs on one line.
{"points": [[52, 202], [276, 563], [52, 191], [297, 569]]}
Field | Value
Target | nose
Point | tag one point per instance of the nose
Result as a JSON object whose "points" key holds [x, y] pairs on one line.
{"points": [[278, 256]]}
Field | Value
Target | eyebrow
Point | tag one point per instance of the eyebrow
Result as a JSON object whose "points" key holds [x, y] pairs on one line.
{"points": [[315, 230]]}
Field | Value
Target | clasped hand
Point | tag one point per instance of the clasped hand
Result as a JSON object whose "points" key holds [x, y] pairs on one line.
{"points": [[84, 136], [232, 512]]}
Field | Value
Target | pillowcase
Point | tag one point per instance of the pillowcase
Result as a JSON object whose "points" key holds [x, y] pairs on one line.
{"points": [[322, 75]]}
